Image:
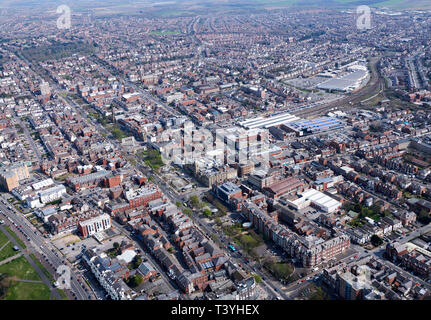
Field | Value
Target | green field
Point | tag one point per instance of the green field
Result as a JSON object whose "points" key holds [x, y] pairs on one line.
{"points": [[3, 239], [19, 268], [27, 291], [20, 242], [153, 158], [62, 294], [40, 265], [7, 252], [165, 33]]}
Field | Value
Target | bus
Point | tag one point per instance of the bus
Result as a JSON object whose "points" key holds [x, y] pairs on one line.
{"points": [[232, 248]]}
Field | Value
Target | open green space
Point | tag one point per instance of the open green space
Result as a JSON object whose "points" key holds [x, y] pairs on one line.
{"points": [[222, 210], [40, 265], [165, 33], [246, 240], [56, 50], [7, 252], [62, 294], [3, 239], [153, 158], [16, 290], [116, 131], [280, 270], [19, 268], [374, 212]]}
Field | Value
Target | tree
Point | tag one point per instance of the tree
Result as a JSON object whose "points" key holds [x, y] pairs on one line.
{"points": [[257, 278], [218, 221], [207, 213], [376, 208], [116, 245], [135, 281], [319, 294], [195, 202], [376, 240], [137, 260], [178, 204], [188, 212], [424, 216]]}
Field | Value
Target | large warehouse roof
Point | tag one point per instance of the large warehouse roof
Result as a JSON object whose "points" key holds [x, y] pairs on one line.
{"points": [[320, 124], [261, 122], [326, 203], [345, 83]]}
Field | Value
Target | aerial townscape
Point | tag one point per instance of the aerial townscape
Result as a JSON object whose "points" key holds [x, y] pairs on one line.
{"points": [[215, 150]]}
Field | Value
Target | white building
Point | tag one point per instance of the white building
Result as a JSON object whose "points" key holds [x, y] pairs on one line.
{"points": [[52, 194], [101, 268], [316, 198], [42, 184]]}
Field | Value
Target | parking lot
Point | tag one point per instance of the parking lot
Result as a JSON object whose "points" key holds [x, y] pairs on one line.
{"points": [[71, 246]]}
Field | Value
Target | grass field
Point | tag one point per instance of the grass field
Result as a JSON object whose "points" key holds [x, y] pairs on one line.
{"points": [[20, 268], [20, 242], [7, 252], [62, 294], [27, 291], [3, 239], [40, 265], [165, 33]]}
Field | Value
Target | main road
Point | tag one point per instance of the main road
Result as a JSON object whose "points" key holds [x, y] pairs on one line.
{"points": [[33, 237]]}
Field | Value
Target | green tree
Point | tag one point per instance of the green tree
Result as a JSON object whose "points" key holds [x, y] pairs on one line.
{"points": [[376, 240], [195, 202], [207, 213], [257, 278], [424, 216], [319, 294], [135, 281], [137, 260], [188, 212], [218, 221]]}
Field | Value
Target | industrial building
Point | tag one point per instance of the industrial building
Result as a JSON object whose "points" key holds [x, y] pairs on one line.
{"points": [[347, 83], [261, 122], [302, 127], [317, 199]]}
